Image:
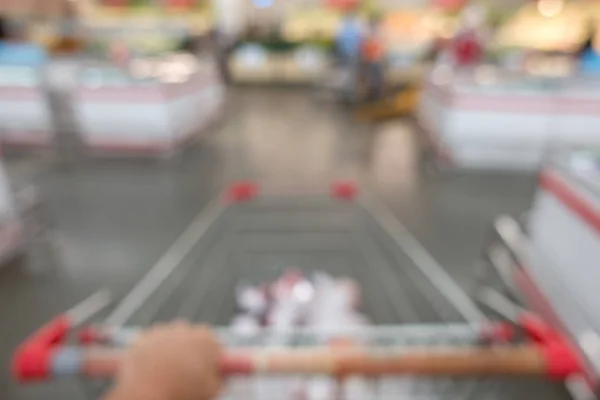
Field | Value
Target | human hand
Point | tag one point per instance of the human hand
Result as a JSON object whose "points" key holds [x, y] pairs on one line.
{"points": [[171, 362]]}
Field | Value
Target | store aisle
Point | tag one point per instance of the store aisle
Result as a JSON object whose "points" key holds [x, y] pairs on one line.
{"points": [[114, 219]]}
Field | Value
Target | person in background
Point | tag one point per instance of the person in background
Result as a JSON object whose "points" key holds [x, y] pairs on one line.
{"points": [[189, 44], [4, 35], [222, 45], [373, 54], [171, 362], [347, 45], [15, 49], [468, 44], [589, 59], [71, 37]]}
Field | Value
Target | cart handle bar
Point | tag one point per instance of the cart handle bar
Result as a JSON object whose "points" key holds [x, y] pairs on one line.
{"points": [[43, 356], [505, 360]]}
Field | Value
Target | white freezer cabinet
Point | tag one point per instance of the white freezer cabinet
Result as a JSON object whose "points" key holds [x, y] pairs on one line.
{"points": [[128, 112], [25, 117], [493, 120], [564, 236]]}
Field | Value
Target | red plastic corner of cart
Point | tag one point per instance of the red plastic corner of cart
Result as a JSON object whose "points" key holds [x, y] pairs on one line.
{"points": [[88, 335], [344, 190], [241, 191], [51, 334], [32, 362], [32, 359], [560, 357], [537, 330], [561, 360]]}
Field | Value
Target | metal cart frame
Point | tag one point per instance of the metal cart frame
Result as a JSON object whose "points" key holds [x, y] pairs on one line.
{"points": [[243, 232]]}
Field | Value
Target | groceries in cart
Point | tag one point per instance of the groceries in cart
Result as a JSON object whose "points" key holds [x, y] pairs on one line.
{"points": [[294, 300], [326, 305]]}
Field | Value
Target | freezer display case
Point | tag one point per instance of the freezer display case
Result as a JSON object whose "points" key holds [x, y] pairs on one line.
{"points": [[495, 119], [299, 64], [153, 107], [25, 118], [564, 230]]}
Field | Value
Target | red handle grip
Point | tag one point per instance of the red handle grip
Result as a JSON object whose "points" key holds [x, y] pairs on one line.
{"points": [[32, 360]]}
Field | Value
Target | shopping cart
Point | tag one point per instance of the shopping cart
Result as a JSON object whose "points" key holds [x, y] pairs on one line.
{"points": [[429, 339]]}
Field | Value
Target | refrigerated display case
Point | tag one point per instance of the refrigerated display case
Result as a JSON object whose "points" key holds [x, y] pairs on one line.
{"points": [[299, 64], [496, 119], [25, 118], [153, 108], [564, 225]]}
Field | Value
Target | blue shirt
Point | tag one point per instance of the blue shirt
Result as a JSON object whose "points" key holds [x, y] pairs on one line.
{"points": [[349, 38], [21, 54], [590, 62]]}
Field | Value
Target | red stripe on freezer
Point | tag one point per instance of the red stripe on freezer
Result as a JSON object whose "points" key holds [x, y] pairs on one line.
{"points": [[20, 94], [28, 139], [517, 104], [109, 95], [151, 94]]}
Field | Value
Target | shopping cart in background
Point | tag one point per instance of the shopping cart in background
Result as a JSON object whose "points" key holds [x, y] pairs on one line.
{"points": [[399, 101], [429, 339]]}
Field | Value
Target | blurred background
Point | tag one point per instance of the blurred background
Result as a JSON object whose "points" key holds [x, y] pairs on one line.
{"points": [[120, 120]]}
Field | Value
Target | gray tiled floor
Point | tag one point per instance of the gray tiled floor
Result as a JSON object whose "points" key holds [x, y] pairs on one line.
{"points": [[115, 218]]}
